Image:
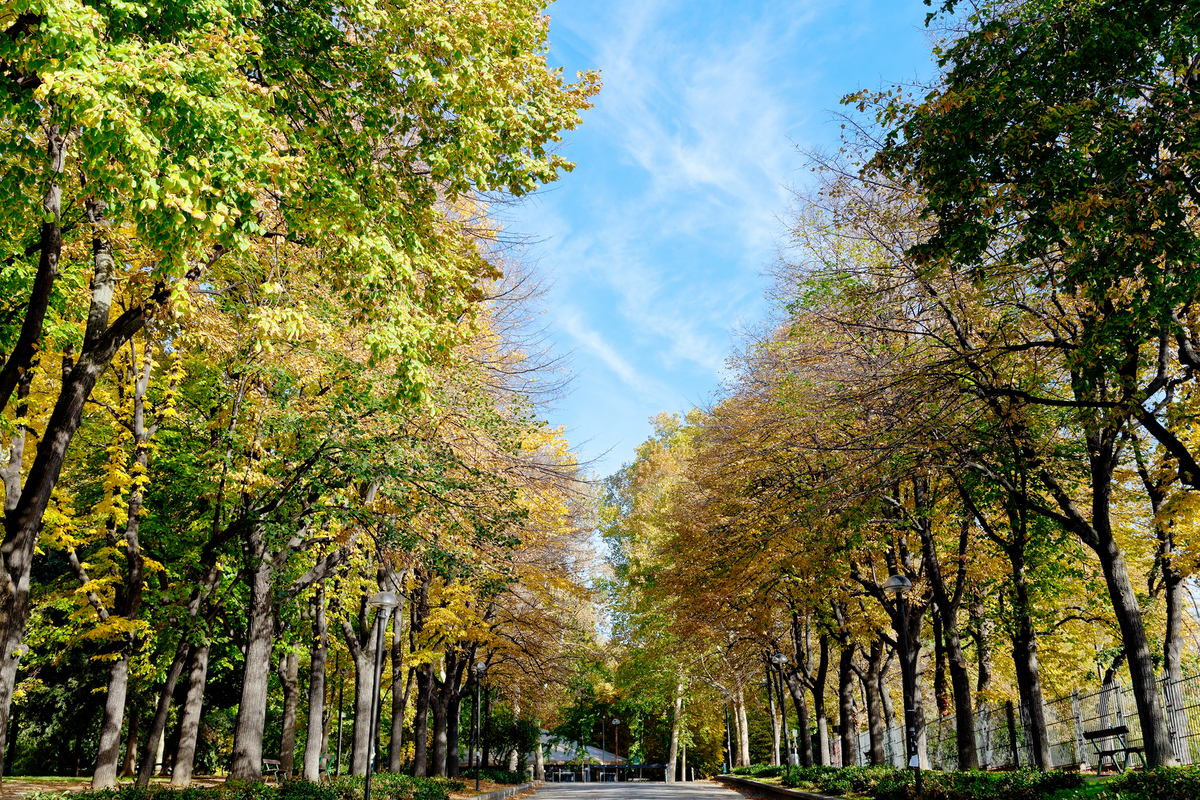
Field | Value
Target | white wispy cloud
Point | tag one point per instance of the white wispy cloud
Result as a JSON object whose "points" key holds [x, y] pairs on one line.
{"points": [[595, 344]]}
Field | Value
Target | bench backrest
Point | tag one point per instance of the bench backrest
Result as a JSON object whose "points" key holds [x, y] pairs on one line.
{"points": [[1120, 730]]}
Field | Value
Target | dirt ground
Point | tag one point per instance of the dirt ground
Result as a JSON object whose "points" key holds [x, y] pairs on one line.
{"points": [[21, 785]]}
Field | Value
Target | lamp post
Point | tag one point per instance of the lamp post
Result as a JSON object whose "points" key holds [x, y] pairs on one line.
{"points": [[779, 659], [478, 668], [616, 751], [385, 602], [898, 585]]}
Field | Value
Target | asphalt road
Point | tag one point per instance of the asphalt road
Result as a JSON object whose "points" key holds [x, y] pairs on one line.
{"points": [[698, 790]]}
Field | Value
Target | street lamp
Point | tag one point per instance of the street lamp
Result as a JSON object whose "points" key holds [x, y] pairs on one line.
{"points": [[478, 668], [616, 751], [779, 659], [385, 602], [898, 585]]}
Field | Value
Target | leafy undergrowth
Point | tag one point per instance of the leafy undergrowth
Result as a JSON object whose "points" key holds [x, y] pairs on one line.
{"points": [[889, 783], [384, 786], [496, 776], [1164, 783]]}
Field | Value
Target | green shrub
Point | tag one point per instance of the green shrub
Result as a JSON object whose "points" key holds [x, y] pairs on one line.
{"points": [[760, 771], [1163, 783], [842, 780], [496, 775], [1024, 784], [384, 786], [395, 786]]}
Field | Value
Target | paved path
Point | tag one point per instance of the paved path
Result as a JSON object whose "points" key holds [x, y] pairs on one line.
{"points": [[697, 790]]}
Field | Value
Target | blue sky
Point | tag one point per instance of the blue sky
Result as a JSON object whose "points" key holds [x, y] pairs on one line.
{"points": [[656, 243]]}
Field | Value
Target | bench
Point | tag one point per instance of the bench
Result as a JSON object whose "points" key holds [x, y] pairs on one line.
{"points": [[270, 768], [1110, 749]]}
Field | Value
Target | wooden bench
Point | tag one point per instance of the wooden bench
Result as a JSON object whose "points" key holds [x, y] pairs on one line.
{"points": [[1111, 749], [270, 768]]}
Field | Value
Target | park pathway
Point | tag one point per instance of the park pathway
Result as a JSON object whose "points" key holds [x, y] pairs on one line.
{"points": [[697, 790]]}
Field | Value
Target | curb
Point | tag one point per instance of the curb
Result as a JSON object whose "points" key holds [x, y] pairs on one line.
{"points": [[770, 790], [507, 791]]}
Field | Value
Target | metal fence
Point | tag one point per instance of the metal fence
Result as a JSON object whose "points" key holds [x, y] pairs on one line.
{"points": [[1002, 734]]}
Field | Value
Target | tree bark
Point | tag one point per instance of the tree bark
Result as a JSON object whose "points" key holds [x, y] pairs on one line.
{"points": [[159, 723], [870, 681], [260, 641], [25, 348], [947, 600], [400, 692], [289, 668], [439, 707], [362, 652], [676, 719], [743, 730], [23, 523], [796, 690], [818, 692], [189, 725], [131, 742], [109, 754], [452, 733], [940, 695], [421, 722], [129, 594], [314, 740], [418, 608], [847, 710], [773, 714], [1025, 661], [981, 633]]}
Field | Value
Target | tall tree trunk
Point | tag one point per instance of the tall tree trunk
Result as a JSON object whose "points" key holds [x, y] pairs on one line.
{"points": [[818, 692], [109, 754], [743, 730], [260, 641], [514, 757], [401, 686], [440, 711], [940, 694], [131, 742], [796, 678], [847, 710], [452, 732], [316, 734], [946, 602], [896, 743], [362, 652], [773, 714], [964, 716], [24, 351], [289, 668], [421, 720], [673, 746], [23, 522], [159, 723], [1025, 662], [870, 681], [981, 628], [128, 596], [796, 690], [189, 725]]}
